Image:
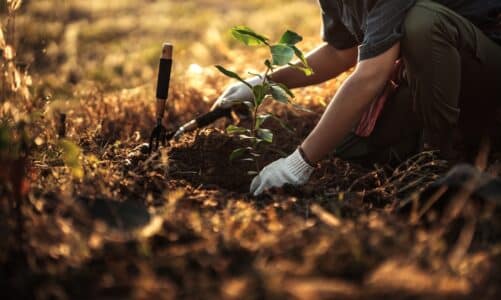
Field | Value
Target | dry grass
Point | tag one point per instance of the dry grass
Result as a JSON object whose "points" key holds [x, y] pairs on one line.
{"points": [[128, 225]]}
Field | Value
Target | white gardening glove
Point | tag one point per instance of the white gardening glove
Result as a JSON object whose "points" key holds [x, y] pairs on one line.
{"points": [[237, 93], [290, 170]]}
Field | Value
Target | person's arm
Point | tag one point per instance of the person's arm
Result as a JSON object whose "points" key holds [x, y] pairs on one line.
{"points": [[343, 112], [356, 93], [326, 61]]}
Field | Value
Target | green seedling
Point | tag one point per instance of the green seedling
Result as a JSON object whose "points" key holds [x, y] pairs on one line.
{"points": [[281, 54]]}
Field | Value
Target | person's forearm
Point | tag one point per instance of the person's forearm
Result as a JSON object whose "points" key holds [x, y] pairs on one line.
{"points": [[347, 107], [326, 61], [341, 115]]}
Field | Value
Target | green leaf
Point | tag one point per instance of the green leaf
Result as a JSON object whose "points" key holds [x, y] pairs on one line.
{"points": [[279, 94], [259, 92], [284, 88], [299, 54], [247, 137], [306, 71], [281, 54], [302, 108], [306, 67], [256, 74], [290, 38], [232, 129], [237, 153], [71, 157], [248, 36], [265, 134], [261, 118], [283, 124], [232, 75]]}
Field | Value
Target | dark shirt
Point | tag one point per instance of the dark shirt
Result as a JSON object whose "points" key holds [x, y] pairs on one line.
{"points": [[376, 25]]}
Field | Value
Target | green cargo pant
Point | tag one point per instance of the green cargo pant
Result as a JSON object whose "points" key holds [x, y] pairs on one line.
{"points": [[453, 72]]}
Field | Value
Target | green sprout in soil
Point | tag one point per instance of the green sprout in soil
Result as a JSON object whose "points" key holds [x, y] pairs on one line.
{"points": [[281, 54]]}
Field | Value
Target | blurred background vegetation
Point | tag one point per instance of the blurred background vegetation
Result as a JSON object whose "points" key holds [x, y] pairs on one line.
{"points": [[115, 44]]}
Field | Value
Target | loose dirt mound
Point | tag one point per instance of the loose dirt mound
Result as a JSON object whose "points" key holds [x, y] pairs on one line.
{"points": [[202, 158]]}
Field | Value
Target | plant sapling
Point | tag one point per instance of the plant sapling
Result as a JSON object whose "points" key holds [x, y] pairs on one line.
{"points": [[281, 54]]}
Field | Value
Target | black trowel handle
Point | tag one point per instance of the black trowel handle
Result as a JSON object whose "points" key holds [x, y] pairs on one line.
{"points": [[203, 120], [212, 116], [163, 81]]}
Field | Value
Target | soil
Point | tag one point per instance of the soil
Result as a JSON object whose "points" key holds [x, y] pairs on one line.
{"points": [[180, 224], [203, 158]]}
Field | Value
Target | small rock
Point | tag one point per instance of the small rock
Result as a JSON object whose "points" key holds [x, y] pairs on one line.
{"points": [[127, 162], [144, 148]]}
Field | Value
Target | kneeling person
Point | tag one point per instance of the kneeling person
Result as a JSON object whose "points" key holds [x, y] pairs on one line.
{"points": [[451, 57]]}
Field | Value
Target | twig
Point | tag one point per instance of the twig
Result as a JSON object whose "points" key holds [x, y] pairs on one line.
{"points": [[463, 242], [432, 200], [325, 216]]}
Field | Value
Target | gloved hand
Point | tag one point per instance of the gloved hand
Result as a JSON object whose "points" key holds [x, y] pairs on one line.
{"points": [[237, 93], [290, 170]]}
